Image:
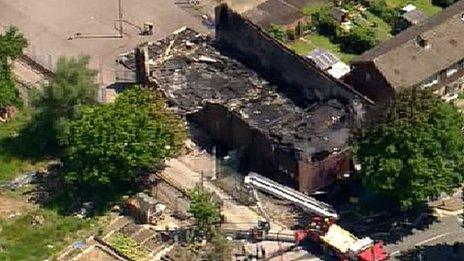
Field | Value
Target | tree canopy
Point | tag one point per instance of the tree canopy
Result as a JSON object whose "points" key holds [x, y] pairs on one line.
{"points": [[61, 100], [12, 44], [415, 152], [204, 209], [111, 144], [358, 40]]}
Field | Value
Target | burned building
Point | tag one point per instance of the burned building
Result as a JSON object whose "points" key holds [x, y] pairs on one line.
{"points": [[304, 146]]}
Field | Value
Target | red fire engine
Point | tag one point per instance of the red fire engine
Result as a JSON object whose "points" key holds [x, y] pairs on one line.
{"points": [[321, 228]]}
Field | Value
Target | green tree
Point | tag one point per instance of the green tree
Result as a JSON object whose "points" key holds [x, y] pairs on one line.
{"points": [[277, 32], [325, 23], [387, 13], [111, 145], [358, 40], [61, 101], [12, 44], [415, 152], [203, 207]]}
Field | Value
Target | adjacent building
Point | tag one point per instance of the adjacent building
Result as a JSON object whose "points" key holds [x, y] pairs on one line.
{"points": [[286, 13], [429, 55]]}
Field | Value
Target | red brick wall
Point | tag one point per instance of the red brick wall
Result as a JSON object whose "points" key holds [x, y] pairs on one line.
{"points": [[315, 175]]}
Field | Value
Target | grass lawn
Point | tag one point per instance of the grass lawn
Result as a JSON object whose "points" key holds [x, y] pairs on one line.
{"points": [[311, 42], [423, 5], [10, 165], [301, 47], [22, 238], [35, 233], [382, 29], [314, 7]]}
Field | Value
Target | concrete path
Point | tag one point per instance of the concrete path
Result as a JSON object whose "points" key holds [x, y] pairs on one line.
{"points": [[236, 216]]}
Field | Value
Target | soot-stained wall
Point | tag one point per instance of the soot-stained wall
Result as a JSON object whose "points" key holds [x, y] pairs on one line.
{"points": [[295, 76], [287, 166]]}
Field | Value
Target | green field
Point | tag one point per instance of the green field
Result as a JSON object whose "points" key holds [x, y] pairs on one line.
{"points": [[22, 238]]}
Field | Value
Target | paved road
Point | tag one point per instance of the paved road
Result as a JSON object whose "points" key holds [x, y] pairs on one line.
{"points": [[48, 24], [438, 238]]}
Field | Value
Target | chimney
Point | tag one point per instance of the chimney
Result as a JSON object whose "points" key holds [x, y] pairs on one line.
{"points": [[422, 42]]}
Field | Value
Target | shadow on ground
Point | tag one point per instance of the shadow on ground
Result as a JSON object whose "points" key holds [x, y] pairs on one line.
{"points": [[436, 252], [29, 142], [390, 227], [51, 191]]}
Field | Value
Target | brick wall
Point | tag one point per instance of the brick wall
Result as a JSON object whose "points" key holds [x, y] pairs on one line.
{"points": [[288, 166], [315, 175], [297, 77]]}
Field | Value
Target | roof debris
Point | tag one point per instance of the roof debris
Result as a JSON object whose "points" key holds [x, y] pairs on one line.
{"points": [[195, 73]]}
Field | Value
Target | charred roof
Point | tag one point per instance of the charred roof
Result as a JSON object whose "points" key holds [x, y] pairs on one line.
{"points": [[190, 71]]}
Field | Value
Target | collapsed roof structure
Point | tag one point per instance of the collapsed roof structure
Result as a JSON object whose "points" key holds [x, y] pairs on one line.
{"points": [[240, 110]]}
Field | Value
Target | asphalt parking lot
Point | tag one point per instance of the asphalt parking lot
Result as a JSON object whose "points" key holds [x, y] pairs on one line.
{"points": [[49, 23]]}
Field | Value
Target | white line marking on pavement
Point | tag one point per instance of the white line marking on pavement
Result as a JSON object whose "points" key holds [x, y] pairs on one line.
{"points": [[423, 242], [432, 238]]}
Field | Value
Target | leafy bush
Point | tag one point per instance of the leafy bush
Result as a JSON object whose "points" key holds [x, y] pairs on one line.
{"points": [[387, 13], [277, 32], [324, 22], [358, 40], [12, 44], [204, 209], [290, 34]]}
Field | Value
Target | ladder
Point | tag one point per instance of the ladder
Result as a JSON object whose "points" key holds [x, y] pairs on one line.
{"points": [[307, 203]]}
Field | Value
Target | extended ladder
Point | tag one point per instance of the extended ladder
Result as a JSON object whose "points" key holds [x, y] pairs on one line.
{"points": [[306, 202]]}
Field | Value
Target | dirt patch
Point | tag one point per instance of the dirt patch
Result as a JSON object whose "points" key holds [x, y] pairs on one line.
{"points": [[13, 206]]}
